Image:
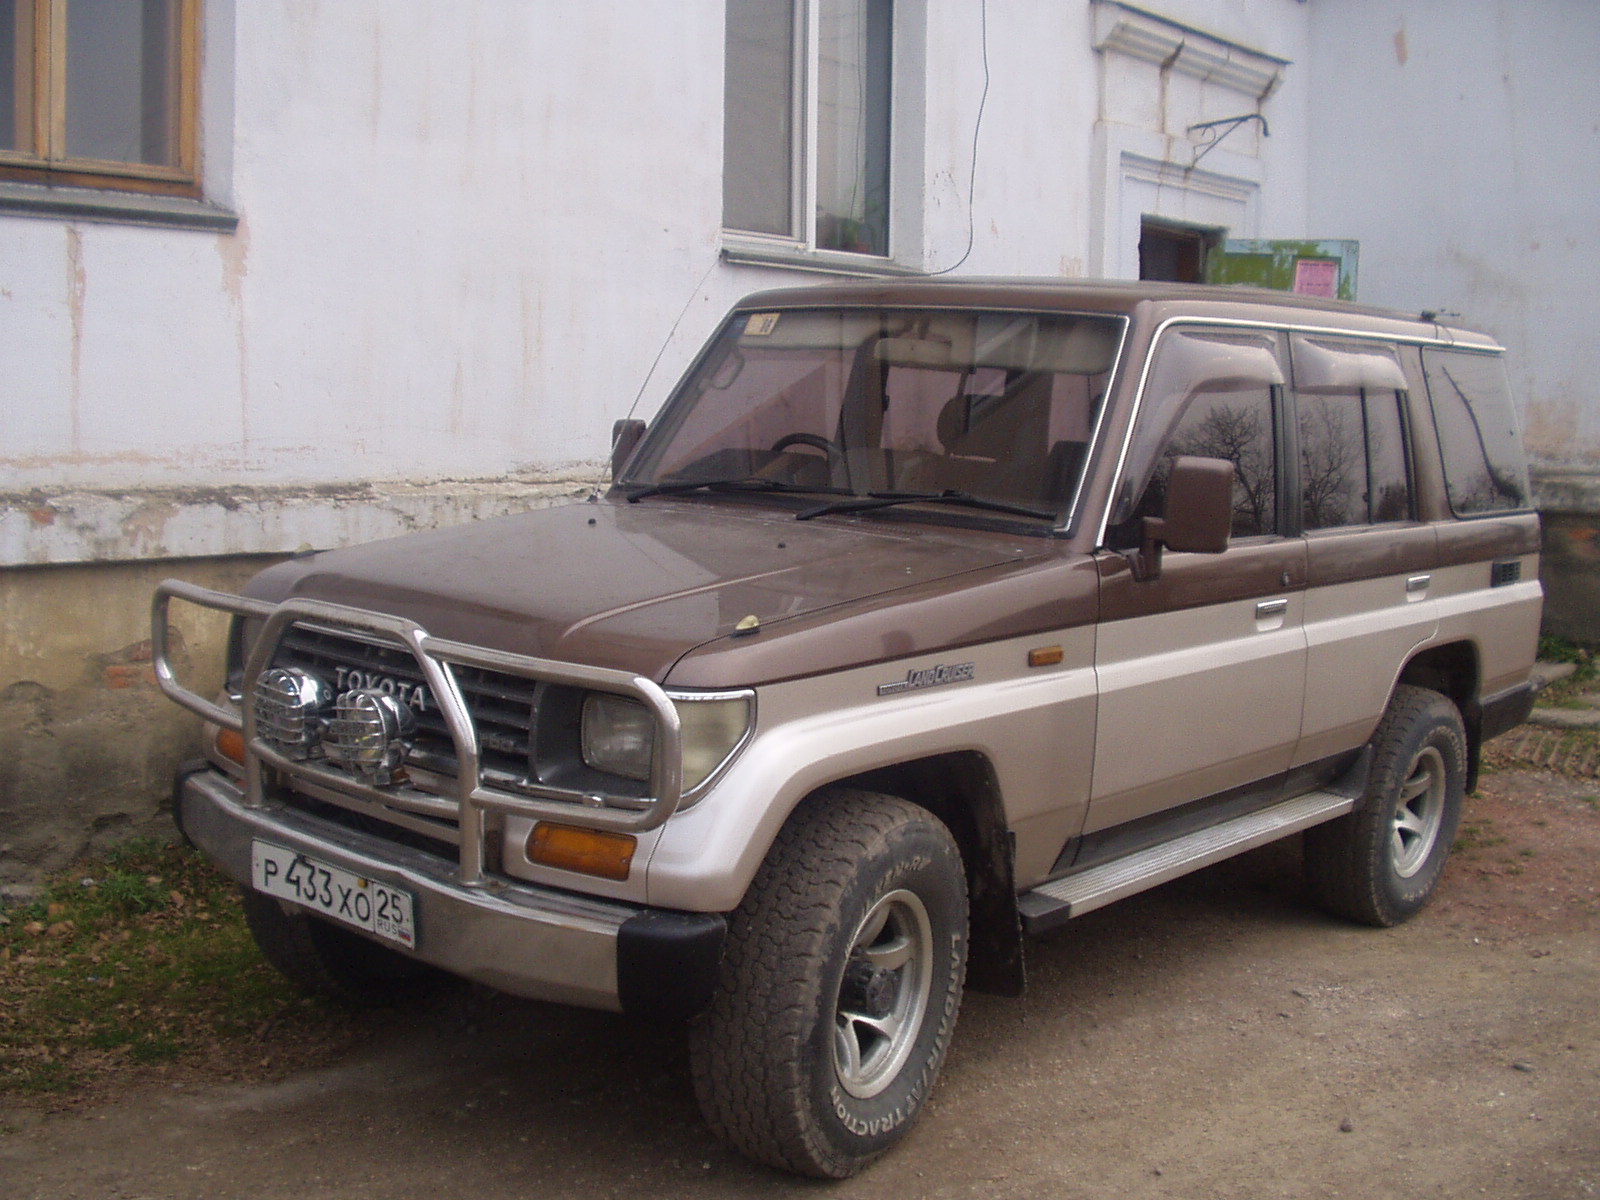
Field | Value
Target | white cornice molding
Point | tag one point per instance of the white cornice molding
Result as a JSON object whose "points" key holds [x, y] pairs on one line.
{"points": [[1172, 46]]}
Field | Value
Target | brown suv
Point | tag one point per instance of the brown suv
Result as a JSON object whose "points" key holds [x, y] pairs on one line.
{"points": [[925, 615]]}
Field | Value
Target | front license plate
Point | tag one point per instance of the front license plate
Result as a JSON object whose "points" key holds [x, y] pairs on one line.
{"points": [[333, 892]]}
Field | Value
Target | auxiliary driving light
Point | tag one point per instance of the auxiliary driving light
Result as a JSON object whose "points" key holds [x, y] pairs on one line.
{"points": [[368, 733], [291, 706]]}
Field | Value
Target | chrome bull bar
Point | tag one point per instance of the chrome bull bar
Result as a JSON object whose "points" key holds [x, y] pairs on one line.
{"points": [[474, 800]]}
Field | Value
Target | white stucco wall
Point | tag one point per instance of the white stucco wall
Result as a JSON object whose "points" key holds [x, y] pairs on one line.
{"points": [[460, 227], [465, 232], [1459, 141]]}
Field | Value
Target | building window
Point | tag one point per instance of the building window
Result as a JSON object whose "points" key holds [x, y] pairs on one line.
{"points": [[100, 93], [806, 123]]}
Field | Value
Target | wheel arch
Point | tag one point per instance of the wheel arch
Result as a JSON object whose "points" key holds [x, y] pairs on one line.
{"points": [[1453, 671], [962, 789]]}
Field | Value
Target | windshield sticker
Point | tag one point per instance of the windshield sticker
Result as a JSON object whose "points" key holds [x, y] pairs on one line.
{"points": [[927, 677], [760, 324]]}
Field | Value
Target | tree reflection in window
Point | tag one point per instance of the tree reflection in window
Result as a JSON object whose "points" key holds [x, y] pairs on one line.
{"points": [[1352, 460], [1483, 464], [1236, 426]]}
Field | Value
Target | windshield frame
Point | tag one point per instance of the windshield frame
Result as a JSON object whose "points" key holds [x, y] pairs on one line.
{"points": [[633, 483]]}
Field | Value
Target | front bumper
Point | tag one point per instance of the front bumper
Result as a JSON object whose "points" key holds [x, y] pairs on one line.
{"points": [[523, 939]]}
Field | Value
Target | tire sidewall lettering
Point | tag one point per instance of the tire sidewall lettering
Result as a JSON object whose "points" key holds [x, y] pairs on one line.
{"points": [[861, 1123]]}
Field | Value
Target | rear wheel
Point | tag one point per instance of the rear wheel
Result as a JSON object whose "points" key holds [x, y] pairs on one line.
{"points": [[1380, 864], [326, 960], [840, 986]]}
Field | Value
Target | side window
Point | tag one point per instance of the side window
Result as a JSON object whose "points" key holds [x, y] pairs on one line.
{"points": [[1239, 427], [1353, 461], [1215, 394], [793, 67], [100, 94], [1484, 468]]}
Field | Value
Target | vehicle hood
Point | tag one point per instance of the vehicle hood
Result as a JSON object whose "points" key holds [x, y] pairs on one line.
{"points": [[638, 586]]}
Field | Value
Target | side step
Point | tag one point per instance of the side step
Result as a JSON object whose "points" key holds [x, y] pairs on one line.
{"points": [[1058, 901]]}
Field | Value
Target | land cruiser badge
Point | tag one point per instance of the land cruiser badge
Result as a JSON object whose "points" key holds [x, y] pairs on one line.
{"points": [[927, 677]]}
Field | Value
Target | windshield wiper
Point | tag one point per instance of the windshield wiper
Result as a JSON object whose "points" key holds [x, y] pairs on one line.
{"points": [[741, 483], [875, 500]]}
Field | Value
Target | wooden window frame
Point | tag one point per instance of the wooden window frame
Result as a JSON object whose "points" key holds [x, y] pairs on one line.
{"points": [[47, 162]]}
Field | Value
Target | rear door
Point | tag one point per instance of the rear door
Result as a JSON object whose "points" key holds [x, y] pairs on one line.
{"points": [[1370, 598]]}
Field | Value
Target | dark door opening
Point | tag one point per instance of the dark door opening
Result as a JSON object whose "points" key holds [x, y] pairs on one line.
{"points": [[1174, 253]]}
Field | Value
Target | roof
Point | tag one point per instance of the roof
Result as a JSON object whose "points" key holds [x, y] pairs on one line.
{"points": [[1112, 296]]}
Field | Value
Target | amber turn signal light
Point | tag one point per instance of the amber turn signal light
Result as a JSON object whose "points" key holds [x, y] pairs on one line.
{"points": [[1045, 656], [230, 744], [589, 851]]}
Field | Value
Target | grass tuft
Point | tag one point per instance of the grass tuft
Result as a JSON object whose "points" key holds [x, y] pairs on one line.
{"points": [[137, 959]]}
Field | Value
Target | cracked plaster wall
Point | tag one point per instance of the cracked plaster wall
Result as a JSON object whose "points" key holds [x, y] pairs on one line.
{"points": [[88, 743]]}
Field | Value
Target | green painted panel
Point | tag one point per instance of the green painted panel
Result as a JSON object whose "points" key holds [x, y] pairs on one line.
{"points": [[1316, 268]]}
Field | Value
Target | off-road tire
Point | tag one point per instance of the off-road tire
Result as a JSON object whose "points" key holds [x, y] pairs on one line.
{"points": [[790, 1062], [320, 958], [1380, 863]]}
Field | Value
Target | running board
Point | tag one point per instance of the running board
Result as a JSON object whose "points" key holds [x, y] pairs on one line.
{"points": [[1058, 901]]}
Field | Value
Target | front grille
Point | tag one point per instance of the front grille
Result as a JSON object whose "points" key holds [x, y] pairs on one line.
{"points": [[501, 705]]}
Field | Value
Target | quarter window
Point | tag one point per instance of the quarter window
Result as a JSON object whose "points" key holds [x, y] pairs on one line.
{"points": [[1484, 469], [806, 123], [99, 93]]}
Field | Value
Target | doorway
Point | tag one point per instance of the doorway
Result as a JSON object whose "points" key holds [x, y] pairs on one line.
{"points": [[1174, 253]]}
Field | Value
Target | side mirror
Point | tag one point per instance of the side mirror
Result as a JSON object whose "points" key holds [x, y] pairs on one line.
{"points": [[625, 437], [1197, 518]]}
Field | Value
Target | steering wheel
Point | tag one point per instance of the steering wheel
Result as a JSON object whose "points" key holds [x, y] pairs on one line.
{"points": [[816, 441]]}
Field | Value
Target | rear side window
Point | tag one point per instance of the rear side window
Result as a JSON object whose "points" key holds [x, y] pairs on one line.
{"points": [[1484, 468], [1353, 460]]}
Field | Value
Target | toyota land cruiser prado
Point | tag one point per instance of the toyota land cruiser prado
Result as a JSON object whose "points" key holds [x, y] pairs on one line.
{"points": [[925, 616]]}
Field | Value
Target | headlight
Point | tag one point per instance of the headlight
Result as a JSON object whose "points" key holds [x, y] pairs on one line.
{"points": [[619, 734]]}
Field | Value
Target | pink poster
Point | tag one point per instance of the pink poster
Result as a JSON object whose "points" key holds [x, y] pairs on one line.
{"points": [[1316, 277]]}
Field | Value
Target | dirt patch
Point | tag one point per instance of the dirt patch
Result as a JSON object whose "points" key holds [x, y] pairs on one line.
{"points": [[1214, 1037]]}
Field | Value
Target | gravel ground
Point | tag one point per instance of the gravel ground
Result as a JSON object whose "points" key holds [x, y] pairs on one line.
{"points": [[1216, 1037]]}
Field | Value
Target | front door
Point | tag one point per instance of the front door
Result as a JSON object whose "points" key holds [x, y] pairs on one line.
{"points": [[1201, 671]]}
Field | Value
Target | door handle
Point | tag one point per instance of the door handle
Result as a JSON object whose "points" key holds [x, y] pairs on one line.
{"points": [[1271, 608], [1418, 583]]}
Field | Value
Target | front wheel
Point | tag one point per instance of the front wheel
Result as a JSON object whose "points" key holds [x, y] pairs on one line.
{"points": [[1379, 864], [840, 986]]}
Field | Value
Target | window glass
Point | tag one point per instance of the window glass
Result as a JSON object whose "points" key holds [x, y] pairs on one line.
{"points": [[1237, 426], [1001, 406], [789, 63], [1388, 479], [1352, 459], [1333, 460], [122, 81], [16, 74], [1206, 388], [758, 130], [1484, 468], [99, 88], [853, 126]]}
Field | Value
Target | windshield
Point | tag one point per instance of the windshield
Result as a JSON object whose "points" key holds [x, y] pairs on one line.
{"points": [[997, 406]]}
